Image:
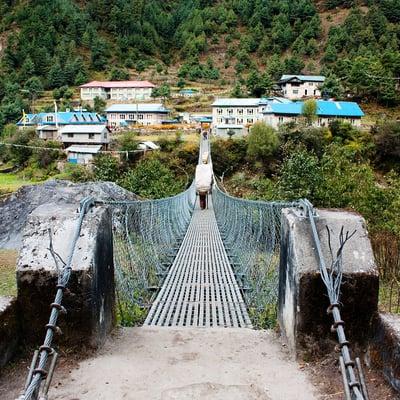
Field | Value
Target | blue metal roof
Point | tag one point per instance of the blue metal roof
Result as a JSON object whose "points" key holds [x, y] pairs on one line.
{"points": [[63, 118], [324, 108], [189, 91]]}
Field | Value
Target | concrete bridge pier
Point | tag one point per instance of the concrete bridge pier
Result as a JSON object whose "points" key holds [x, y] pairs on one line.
{"points": [[89, 297], [303, 299]]}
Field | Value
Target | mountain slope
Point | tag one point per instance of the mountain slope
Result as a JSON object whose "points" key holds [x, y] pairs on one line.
{"points": [[47, 44]]}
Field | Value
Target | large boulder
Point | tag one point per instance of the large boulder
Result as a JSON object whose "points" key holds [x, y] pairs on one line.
{"points": [[15, 209]]}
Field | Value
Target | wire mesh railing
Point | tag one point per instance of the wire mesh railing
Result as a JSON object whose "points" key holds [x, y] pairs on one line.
{"points": [[251, 234], [146, 236]]}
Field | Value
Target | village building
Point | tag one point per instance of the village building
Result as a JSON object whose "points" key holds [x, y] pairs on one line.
{"points": [[117, 90], [295, 87], [235, 116], [48, 125], [276, 114], [188, 92], [82, 154], [85, 134], [125, 115]]}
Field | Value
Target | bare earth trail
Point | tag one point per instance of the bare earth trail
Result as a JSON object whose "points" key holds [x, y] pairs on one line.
{"points": [[160, 363]]}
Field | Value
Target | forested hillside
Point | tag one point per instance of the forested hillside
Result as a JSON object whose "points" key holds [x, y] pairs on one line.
{"points": [[47, 44]]}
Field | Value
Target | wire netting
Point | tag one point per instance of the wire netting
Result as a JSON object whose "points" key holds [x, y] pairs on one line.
{"points": [[145, 238], [251, 231]]}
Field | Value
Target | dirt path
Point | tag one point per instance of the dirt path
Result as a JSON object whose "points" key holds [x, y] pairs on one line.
{"points": [[168, 364]]}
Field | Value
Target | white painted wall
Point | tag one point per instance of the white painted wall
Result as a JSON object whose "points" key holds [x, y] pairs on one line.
{"points": [[86, 138], [305, 89], [114, 119], [276, 120], [116, 93]]}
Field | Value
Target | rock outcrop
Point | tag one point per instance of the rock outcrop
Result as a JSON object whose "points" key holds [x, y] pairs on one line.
{"points": [[15, 209]]}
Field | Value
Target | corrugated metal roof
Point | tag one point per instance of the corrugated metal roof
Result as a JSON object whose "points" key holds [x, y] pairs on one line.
{"points": [[89, 149], [65, 117], [83, 129], [305, 78], [140, 107], [148, 144], [119, 84], [324, 108]]}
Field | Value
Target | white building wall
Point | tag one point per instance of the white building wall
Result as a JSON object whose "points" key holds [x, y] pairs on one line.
{"points": [[91, 92], [115, 118], [305, 89], [235, 115], [116, 93], [80, 158], [130, 93], [85, 138], [276, 120]]}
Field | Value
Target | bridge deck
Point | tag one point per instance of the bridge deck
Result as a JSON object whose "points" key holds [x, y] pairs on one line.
{"points": [[200, 288]]}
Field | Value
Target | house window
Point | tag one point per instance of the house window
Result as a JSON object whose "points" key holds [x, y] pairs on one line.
{"points": [[249, 120], [319, 121], [70, 135], [280, 119], [219, 120], [140, 116], [240, 120], [305, 92], [315, 92], [240, 111], [91, 135], [50, 118], [131, 117], [230, 111], [250, 111], [219, 111], [122, 116], [295, 91]]}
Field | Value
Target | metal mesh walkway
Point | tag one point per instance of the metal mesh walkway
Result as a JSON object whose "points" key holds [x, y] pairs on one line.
{"points": [[200, 288]]}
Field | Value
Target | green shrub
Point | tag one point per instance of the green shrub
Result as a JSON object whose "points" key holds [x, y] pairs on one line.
{"points": [[263, 142], [228, 155], [387, 140], [151, 179], [106, 168]]}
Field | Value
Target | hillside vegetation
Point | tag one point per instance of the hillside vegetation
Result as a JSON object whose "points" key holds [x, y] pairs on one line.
{"points": [[247, 44]]}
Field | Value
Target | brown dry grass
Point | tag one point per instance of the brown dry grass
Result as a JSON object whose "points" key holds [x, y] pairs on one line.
{"points": [[8, 261]]}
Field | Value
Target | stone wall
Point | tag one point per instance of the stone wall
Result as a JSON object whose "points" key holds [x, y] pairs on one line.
{"points": [[9, 329]]}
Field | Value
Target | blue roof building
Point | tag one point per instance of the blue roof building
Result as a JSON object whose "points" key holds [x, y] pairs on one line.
{"points": [[278, 113], [188, 92], [61, 118]]}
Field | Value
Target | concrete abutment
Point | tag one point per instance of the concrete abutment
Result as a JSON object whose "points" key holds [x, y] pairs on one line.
{"points": [[89, 297], [303, 299]]}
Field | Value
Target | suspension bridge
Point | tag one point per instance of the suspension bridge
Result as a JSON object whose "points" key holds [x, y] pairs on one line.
{"points": [[193, 268]]}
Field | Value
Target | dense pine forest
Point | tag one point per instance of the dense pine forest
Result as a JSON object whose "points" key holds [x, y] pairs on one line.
{"points": [[48, 44]]}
